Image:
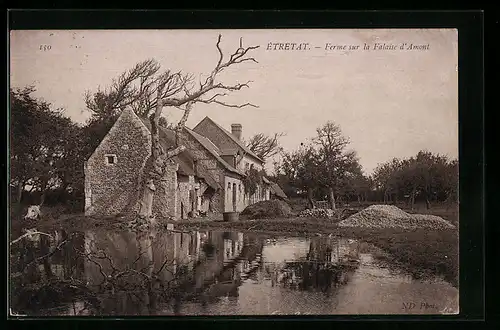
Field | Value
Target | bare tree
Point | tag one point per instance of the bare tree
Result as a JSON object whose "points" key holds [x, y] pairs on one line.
{"points": [[179, 90], [148, 90], [265, 146]]}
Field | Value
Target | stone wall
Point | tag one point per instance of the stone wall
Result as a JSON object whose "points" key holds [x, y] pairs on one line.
{"points": [[165, 198], [184, 204], [109, 188], [208, 161]]}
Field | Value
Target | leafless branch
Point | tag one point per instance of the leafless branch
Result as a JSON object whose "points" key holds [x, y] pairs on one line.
{"points": [[209, 84], [104, 276], [176, 151], [265, 146], [228, 104], [29, 233]]}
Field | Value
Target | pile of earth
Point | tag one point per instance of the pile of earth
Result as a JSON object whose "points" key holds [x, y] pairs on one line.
{"points": [[327, 213], [319, 213], [389, 216], [267, 209]]}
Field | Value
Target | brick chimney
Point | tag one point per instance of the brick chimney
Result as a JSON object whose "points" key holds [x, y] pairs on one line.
{"points": [[236, 130]]}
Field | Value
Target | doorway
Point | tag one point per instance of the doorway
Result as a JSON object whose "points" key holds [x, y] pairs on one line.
{"points": [[234, 197]]}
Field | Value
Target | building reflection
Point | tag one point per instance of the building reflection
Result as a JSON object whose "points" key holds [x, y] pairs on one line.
{"points": [[192, 266], [142, 273]]}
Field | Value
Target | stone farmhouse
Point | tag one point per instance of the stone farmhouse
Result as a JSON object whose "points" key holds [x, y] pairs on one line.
{"points": [[208, 177]]}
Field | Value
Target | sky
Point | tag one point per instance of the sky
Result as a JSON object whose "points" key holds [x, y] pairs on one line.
{"points": [[390, 100]]}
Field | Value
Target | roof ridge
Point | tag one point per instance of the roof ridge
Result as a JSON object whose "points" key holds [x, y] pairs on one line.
{"points": [[213, 152], [204, 137], [206, 117], [238, 142]]}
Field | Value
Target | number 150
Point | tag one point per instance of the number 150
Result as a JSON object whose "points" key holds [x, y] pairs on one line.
{"points": [[45, 47]]}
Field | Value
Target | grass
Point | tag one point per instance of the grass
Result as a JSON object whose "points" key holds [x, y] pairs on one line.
{"points": [[421, 252]]}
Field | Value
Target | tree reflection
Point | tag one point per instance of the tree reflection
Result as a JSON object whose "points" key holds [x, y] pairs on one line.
{"points": [[328, 264], [127, 273]]}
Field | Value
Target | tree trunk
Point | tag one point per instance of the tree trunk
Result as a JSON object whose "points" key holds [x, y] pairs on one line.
{"points": [[447, 201], [412, 198], [155, 166], [146, 209], [310, 198], [331, 197], [45, 249], [42, 197], [359, 199], [19, 196], [20, 188]]}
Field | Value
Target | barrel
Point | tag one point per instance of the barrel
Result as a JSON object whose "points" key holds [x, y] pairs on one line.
{"points": [[230, 216]]}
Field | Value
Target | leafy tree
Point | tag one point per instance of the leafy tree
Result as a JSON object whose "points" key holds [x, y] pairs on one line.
{"points": [[356, 184], [44, 146], [300, 167], [433, 177], [387, 177], [324, 164], [252, 180], [336, 164]]}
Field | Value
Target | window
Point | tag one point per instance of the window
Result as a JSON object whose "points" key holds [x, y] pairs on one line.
{"points": [[246, 166], [110, 159], [229, 185]]}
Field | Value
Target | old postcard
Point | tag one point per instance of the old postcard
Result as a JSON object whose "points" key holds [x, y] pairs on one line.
{"points": [[233, 172]]}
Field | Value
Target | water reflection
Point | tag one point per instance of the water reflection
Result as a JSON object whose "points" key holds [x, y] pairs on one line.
{"points": [[329, 263], [127, 273]]}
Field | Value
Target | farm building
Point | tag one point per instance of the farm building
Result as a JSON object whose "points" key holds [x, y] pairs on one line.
{"points": [[208, 177]]}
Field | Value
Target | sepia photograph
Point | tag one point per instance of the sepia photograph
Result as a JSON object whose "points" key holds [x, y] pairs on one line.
{"points": [[234, 172]]}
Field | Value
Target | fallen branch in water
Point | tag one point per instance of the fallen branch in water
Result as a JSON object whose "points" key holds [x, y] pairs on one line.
{"points": [[51, 253], [29, 233]]}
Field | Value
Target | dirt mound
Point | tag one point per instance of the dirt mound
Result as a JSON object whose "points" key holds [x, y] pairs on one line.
{"points": [[320, 213], [338, 214], [389, 216], [433, 220], [267, 209]]}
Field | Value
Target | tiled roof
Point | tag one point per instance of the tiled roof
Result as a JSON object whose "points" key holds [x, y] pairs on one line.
{"points": [[232, 137], [212, 148], [184, 159]]}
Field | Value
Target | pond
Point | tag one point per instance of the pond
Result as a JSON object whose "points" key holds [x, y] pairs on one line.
{"points": [[213, 273]]}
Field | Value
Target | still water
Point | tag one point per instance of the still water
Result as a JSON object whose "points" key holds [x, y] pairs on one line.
{"points": [[214, 273]]}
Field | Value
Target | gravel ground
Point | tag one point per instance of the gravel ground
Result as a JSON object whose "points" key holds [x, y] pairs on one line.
{"points": [[319, 213]]}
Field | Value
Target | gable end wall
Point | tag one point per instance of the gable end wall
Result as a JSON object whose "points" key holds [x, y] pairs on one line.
{"points": [[110, 188]]}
